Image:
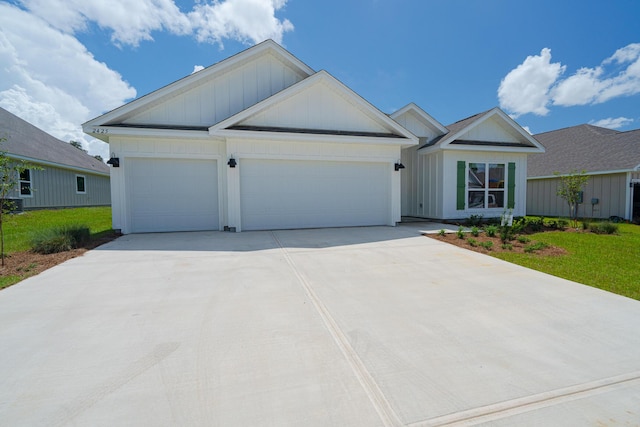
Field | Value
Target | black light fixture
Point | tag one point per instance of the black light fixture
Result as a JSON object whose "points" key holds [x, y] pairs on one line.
{"points": [[114, 161], [398, 166], [232, 163]]}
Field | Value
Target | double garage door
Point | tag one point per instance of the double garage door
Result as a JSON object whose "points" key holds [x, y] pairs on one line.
{"points": [[182, 194], [278, 194]]}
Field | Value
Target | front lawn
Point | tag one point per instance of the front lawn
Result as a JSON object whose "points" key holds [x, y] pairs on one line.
{"points": [[20, 230], [608, 262]]}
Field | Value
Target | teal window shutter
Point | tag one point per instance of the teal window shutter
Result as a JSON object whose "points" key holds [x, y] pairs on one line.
{"points": [[461, 186], [511, 186]]}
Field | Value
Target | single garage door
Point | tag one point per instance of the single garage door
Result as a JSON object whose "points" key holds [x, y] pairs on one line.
{"points": [[277, 194], [172, 195]]}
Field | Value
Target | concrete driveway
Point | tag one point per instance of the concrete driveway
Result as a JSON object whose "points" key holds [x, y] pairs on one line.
{"points": [[333, 327]]}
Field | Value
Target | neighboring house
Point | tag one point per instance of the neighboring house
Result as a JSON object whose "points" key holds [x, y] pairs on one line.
{"points": [[611, 159], [261, 141], [69, 177]]}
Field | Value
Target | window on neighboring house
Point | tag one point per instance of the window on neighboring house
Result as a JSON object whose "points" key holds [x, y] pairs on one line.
{"points": [[25, 183], [486, 185], [80, 184]]}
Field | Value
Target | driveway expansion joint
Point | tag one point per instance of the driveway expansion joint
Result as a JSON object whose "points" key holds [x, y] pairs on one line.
{"points": [[378, 400]]}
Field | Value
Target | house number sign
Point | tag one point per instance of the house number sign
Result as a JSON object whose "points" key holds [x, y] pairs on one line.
{"points": [[100, 130]]}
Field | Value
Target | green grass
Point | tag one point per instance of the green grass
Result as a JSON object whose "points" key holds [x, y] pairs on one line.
{"points": [[21, 229], [604, 261]]}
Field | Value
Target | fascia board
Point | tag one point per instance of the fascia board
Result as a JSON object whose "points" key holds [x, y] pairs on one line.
{"points": [[293, 90], [414, 107], [192, 79], [108, 131], [305, 137], [520, 130], [492, 148], [57, 165]]}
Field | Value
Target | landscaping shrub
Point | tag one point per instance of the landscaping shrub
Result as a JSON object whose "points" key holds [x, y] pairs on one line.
{"points": [[562, 223], [474, 220], [487, 245], [61, 239], [534, 224], [441, 233], [523, 239], [491, 230], [460, 232], [603, 227], [473, 242], [507, 246], [475, 231], [536, 247]]}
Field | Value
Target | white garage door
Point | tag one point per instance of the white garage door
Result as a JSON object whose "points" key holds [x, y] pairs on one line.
{"points": [[172, 195], [276, 194]]}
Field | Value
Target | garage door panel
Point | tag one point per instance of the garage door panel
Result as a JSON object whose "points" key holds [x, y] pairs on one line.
{"points": [[173, 195], [304, 194]]}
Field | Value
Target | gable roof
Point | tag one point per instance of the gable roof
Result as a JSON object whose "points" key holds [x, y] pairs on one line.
{"points": [[119, 115], [380, 125], [422, 115], [27, 142], [459, 135], [586, 147]]}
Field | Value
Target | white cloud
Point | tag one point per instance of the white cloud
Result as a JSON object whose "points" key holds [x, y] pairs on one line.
{"points": [[612, 123], [197, 68], [244, 20], [532, 86], [49, 78], [526, 88], [527, 129], [134, 21]]}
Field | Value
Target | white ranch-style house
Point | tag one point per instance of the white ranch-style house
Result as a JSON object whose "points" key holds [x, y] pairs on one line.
{"points": [[261, 141]]}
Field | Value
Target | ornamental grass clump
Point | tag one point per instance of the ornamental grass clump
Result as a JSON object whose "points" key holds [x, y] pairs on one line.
{"points": [[61, 239]]}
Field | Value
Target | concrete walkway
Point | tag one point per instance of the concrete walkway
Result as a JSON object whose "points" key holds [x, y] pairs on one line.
{"points": [[334, 327]]}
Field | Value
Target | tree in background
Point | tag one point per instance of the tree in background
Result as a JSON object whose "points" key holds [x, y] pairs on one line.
{"points": [[570, 189], [10, 170], [78, 145]]}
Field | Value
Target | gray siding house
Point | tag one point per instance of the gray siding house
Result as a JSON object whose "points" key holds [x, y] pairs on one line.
{"points": [[69, 176], [610, 158]]}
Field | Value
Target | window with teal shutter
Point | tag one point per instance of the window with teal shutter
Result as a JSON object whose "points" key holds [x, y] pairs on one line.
{"points": [[511, 186], [461, 185]]}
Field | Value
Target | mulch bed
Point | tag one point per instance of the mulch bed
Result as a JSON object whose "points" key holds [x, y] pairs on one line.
{"points": [[517, 247]]}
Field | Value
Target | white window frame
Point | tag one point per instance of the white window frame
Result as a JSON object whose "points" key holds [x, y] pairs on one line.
{"points": [[487, 187], [84, 181], [30, 184]]}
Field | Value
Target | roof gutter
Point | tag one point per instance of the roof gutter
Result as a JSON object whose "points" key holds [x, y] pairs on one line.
{"points": [[57, 165]]}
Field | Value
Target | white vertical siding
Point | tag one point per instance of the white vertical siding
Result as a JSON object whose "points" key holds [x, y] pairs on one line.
{"points": [[493, 130], [422, 194], [223, 95]]}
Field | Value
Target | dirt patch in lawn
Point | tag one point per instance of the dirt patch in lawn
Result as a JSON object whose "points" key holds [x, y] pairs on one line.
{"points": [[26, 264], [496, 245]]}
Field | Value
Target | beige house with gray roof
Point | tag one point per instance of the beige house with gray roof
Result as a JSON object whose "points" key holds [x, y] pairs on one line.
{"points": [[611, 159], [69, 177]]}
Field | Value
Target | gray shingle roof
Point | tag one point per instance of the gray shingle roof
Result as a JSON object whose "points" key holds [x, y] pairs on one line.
{"points": [[585, 147], [26, 140]]}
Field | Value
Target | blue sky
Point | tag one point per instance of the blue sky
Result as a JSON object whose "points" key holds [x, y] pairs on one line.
{"points": [[548, 63]]}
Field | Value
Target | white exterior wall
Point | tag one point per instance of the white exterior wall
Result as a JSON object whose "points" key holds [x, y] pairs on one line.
{"points": [[224, 95], [127, 148], [492, 130], [302, 150], [449, 184], [422, 194]]}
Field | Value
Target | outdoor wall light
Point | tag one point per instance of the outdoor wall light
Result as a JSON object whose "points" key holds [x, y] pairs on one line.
{"points": [[114, 161], [398, 166], [232, 163]]}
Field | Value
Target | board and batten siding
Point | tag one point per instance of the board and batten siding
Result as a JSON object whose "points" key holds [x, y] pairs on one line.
{"points": [[610, 190], [422, 194], [54, 187], [224, 95]]}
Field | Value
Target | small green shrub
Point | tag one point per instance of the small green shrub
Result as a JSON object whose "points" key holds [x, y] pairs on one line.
{"points": [[507, 246], [460, 232], [474, 220], [523, 239], [562, 223], [475, 231], [603, 227], [472, 242], [441, 233], [536, 247], [586, 223], [534, 224], [491, 230], [61, 239], [487, 245], [506, 233]]}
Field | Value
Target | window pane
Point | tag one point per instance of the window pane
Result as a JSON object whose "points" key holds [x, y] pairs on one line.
{"points": [[25, 175], [476, 199], [496, 199], [477, 175], [496, 175], [80, 184], [25, 189]]}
